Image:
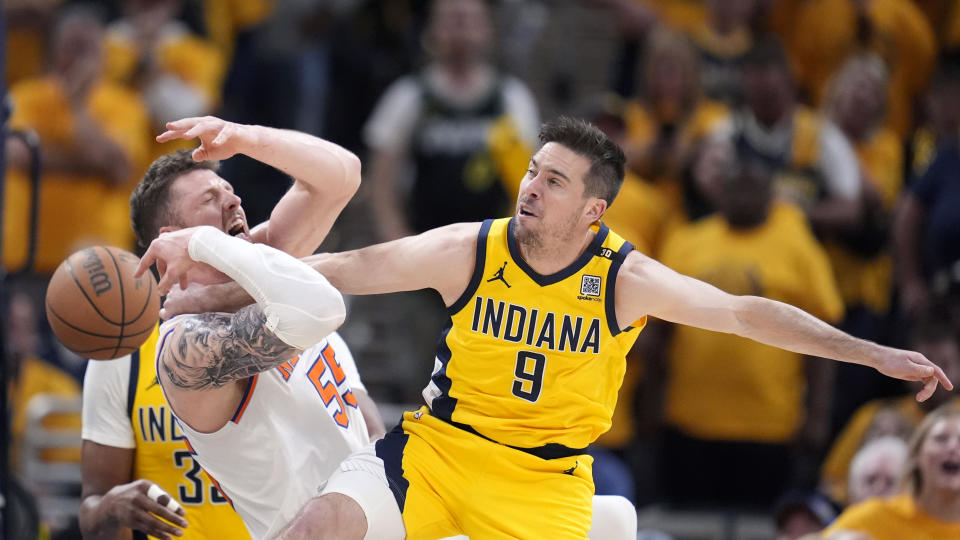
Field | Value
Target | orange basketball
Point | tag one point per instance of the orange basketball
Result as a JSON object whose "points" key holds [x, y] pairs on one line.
{"points": [[97, 308]]}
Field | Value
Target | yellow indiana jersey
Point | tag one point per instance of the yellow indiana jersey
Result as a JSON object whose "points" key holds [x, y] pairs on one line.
{"points": [[534, 361], [162, 455]]}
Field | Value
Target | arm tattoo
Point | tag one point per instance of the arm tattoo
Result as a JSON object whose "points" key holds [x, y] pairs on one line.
{"points": [[211, 350]]}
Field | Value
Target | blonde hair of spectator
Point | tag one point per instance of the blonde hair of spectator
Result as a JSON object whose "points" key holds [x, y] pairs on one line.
{"points": [[912, 476]]}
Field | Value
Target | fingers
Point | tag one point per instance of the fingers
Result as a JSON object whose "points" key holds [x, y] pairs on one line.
{"points": [[165, 506], [156, 502], [929, 387], [167, 278], [942, 377], [154, 526], [178, 129], [145, 262], [186, 123]]}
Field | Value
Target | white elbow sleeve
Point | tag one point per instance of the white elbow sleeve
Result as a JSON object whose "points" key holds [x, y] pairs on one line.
{"points": [[301, 306]]}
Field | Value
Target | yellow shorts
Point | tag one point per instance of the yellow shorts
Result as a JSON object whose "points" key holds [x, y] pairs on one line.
{"points": [[448, 481]]}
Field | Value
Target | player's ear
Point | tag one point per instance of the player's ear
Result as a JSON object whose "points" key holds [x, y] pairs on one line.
{"points": [[595, 209], [167, 228]]}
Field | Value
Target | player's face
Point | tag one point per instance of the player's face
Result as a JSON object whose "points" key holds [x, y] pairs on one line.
{"points": [[551, 202], [201, 197], [939, 459]]}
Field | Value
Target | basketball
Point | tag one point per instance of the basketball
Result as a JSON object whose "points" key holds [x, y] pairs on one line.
{"points": [[97, 308]]}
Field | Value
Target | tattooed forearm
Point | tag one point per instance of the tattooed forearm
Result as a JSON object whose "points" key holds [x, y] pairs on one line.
{"points": [[213, 349]]}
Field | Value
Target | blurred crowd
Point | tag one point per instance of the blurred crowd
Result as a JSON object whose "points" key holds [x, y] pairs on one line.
{"points": [[802, 150]]}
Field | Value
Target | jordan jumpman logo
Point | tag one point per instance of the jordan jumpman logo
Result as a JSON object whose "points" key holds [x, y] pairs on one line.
{"points": [[499, 275]]}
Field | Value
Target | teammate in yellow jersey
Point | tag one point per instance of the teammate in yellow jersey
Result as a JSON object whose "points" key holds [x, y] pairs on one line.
{"points": [[131, 441], [542, 308]]}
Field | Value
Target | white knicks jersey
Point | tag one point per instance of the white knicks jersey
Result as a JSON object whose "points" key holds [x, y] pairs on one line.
{"points": [[294, 426]]}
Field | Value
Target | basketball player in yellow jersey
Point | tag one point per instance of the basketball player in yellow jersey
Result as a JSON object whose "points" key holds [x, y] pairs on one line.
{"points": [[542, 307], [160, 453]]}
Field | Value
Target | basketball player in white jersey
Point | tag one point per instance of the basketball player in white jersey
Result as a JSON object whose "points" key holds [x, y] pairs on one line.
{"points": [[271, 441], [182, 191]]}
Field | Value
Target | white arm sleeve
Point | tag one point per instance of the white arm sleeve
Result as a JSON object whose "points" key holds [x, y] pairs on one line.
{"points": [[839, 164], [301, 306], [345, 357], [105, 390]]}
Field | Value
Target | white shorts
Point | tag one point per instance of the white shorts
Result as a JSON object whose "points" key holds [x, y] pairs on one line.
{"points": [[362, 478]]}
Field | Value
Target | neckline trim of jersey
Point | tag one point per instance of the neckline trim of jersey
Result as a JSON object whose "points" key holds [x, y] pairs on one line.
{"points": [[560, 275]]}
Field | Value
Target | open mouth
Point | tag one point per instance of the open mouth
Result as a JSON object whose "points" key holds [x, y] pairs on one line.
{"points": [[525, 211], [237, 226], [950, 467]]}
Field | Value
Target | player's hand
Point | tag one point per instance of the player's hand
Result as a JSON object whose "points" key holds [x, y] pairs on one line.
{"points": [[131, 507], [201, 298], [912, 366], [219, 139], [170, 252]]}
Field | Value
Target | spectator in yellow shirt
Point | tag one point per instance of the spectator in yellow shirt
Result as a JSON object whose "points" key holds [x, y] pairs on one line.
{"points": [[94, 140], [732, 407], [929, 507], [664, 128], [827, 32]]}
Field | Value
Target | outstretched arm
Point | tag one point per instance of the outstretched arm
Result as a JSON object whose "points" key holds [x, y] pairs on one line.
{"points": [[325, 176], [440, 259], [646, 287]]}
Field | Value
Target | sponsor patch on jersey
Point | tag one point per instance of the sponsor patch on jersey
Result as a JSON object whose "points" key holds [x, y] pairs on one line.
{"points": [[590, 287]]}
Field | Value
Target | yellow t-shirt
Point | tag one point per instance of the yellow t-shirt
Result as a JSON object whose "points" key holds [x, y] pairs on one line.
{"points": [[163, 456], [896, 518], [869, 281], [640, 214], [825, 35], [75, 210], [725, 387], [39, 377]]}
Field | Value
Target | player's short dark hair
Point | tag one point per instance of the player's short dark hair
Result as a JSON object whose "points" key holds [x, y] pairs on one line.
{"points": [[605, 176], [150, 200]]}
